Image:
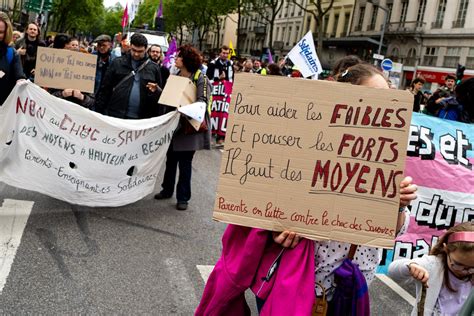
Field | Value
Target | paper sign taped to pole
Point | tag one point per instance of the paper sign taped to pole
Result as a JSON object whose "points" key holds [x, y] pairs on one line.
{"points": [[323, 159]]}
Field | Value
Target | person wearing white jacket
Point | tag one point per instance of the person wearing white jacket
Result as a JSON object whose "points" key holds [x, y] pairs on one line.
{"points": [[447, 273]]}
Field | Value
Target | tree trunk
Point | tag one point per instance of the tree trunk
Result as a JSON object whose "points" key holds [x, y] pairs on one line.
{"points": [[320, 29], [218, 33], [238, 28], [181, 35], [270, 42]]}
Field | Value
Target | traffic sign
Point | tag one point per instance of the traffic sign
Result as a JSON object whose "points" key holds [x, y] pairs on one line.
{"points": [[387, 64]]}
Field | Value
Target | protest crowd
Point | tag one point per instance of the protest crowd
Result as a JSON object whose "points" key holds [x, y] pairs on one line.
{"points": [[318, 277]]}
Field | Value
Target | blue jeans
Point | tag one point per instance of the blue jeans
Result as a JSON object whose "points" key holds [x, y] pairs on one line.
{"points": [[184, 160]]}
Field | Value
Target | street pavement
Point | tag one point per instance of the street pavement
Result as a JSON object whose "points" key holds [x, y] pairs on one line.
{"points": [[146, 258]]}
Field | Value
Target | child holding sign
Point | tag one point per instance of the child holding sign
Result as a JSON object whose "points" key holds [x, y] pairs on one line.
{"points": [[330, 255], [447, 273]]}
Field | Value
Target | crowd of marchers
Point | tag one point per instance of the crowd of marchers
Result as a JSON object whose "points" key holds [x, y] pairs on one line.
{"points": [[280, 267]]}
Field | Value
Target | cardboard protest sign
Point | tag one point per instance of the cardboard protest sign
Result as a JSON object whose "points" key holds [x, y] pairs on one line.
{"points": [[323, 159], [440, 160], [180, 91], [65, 69], [60, 149]]}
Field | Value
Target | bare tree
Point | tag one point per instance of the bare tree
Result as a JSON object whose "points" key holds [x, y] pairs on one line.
{"points": [[266, 10], [318, 13]]}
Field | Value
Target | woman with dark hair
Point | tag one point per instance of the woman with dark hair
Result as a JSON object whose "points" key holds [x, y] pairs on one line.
{"points": [[274, 70], [419, 98], [344, 63], [10, 65], [186, 140]]}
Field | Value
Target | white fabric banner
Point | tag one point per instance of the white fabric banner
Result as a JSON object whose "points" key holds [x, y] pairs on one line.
{"points": [[60, 149], [304, 56]]}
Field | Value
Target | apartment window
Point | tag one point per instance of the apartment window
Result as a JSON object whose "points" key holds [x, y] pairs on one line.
{"points": [[373, 20], [347, 18], [389, 8], [361, 18], [440, 14], [451, 59], [411, 57], [297, 34], [293, 8], [470, 58], [325, 24], [421, 13], [461, 18], [334, 26], [277, 35], [403, 14], [395, 54], [289, 36], [431, 56], [283, 30]]}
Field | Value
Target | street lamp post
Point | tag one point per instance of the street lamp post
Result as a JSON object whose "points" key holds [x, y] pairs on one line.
{"points": [[383, 26]]}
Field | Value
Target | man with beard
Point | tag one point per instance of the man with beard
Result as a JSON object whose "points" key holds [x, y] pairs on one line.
{"points": [[444, 93], [132, 85], [104, 58], [27, 48], [155, 54]]}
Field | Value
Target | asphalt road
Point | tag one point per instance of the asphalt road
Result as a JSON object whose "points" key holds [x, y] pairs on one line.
{"points": [[141, 259]]}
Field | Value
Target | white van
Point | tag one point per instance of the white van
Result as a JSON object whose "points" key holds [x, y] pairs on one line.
{"points": [[157, 38]]}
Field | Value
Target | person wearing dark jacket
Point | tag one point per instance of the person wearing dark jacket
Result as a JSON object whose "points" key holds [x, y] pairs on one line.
{"points": [[440, 96], [186, 140], [418, 97], [104, 59], [10, 64], [27, 48], [132, 85]]}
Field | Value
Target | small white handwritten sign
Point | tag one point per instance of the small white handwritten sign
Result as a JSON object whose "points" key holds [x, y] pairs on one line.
{"points": [[65, 69]]}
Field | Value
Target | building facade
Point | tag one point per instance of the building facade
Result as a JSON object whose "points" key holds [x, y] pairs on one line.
{"points": [[336, 30], [252, 35], [227, 33], [429, 37], [288, 27]]}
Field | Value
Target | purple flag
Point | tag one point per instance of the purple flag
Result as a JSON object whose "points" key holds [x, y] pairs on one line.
{"points": [[270, 57], [170, 54], [159, 12]]}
